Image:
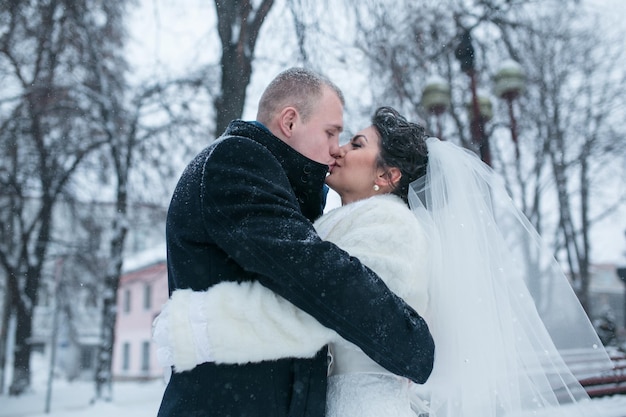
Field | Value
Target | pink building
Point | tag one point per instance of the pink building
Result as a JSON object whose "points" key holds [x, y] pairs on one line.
{"points": [[141, 294]]}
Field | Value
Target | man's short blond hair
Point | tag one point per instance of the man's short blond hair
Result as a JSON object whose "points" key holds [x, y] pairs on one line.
{"points": [[300, 88]]}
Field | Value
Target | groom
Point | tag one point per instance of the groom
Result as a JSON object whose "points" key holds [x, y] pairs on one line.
{"points": [[242, 211]]}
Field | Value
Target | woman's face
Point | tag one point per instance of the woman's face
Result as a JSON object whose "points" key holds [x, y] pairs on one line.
{"points": [[355, 171]]}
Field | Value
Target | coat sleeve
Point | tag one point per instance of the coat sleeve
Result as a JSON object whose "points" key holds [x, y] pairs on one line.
{"points": [[254, 217], [236, 323]]}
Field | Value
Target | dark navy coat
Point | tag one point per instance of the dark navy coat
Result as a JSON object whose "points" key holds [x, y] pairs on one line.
{"points": [[242, 210]]}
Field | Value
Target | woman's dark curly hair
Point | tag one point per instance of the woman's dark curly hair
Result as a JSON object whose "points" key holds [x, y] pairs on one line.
{"points": [[403, 146]]}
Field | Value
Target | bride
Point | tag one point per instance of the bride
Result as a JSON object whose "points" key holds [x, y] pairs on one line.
{"points": [[438, 227]]}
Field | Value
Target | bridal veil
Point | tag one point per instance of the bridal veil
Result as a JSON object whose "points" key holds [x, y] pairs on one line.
{"points": [[507, 325]]}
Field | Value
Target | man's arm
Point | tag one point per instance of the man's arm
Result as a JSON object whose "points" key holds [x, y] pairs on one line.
{"points": [[254, 217]]}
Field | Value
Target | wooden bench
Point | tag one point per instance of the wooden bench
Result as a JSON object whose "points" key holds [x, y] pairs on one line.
{"points": [[609, 382]]}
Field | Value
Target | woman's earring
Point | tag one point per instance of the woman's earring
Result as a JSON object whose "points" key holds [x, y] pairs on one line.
{"points": [[376, 187]]}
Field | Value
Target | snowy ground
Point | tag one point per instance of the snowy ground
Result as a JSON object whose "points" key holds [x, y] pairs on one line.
{"points": [[130, 399], [133, 399], [137, 399], [72, 399]]}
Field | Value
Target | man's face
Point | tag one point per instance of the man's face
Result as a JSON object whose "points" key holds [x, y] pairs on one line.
{"points": [[318, 137]]}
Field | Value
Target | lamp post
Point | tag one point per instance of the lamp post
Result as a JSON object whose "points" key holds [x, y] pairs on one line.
{"points": [[465, 54], [621, 273], [436, 99], [485, 109], [509, 84]]}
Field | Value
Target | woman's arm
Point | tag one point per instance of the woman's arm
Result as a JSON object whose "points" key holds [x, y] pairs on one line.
{"points": [[234, 323]]}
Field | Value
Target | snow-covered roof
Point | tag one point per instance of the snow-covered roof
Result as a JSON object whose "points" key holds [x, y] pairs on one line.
{"points": [[145, 258]]}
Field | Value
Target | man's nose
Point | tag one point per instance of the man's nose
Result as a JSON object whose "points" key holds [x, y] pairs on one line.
{"points": [[337, 151]]}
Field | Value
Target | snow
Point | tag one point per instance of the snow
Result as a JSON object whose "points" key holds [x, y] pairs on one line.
{"points": [[136, 399], [72, 399], [142, 399], [145, 258]]}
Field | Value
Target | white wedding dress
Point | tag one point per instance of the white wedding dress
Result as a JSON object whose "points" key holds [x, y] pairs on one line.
{"points": [[357, 386]]}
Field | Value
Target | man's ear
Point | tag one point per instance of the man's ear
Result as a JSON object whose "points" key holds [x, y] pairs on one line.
{"points": [[388, 177], [288, 117]]}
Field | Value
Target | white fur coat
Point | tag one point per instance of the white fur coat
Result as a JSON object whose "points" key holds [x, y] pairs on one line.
{"points": [[245, 322]]}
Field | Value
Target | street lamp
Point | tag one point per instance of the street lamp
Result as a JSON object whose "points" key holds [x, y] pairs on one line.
{"points": [[509, 84], [465, 54], [436, 99]]}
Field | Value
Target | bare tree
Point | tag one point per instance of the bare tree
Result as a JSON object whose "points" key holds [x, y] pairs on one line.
{"points": [[107, 87], [82, 103], [238, 24], [46, 126], [128, 137], [132, 121], [570, 115]]}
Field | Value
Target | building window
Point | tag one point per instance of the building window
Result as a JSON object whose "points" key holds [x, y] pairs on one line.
{"points": [[147, 297], [126, 301], [126, 356], [145, 356]]}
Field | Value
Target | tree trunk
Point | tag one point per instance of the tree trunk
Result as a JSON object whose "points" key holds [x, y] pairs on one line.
{"points": [[238, 26], [104, 366], [584, 257], [25, 296], [236, 71], [575, 257], [23, 332], [21, 353], [4, 335]]}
